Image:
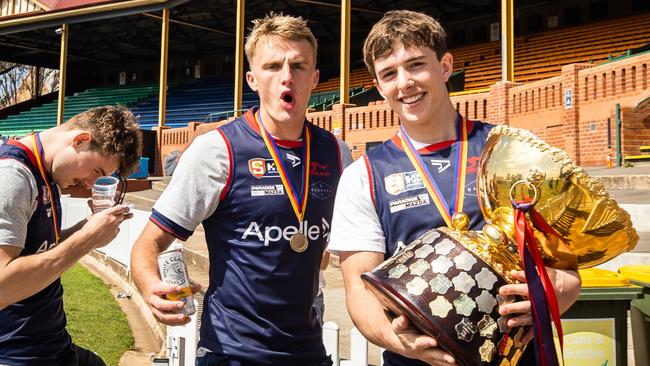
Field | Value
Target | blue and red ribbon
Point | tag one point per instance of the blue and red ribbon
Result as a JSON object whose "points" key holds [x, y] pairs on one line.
{"points": [[298, 198], [432, 187], [540, 288], [38, 153]]}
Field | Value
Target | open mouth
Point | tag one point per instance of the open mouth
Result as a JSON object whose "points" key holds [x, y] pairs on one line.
{"points": [[287, 99], [412, 99]]}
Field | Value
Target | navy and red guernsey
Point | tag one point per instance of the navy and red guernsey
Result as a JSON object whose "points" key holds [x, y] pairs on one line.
{"points": [[258, 308], [403, 205], [32, 331]]}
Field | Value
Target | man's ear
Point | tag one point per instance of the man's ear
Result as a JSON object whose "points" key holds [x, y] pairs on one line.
{"points": [[250, 79], [80, 138], [378, 86], [447, 65], [316, 79]]}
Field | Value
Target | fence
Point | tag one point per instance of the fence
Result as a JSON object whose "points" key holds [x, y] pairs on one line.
{"points": [[182, 340]]}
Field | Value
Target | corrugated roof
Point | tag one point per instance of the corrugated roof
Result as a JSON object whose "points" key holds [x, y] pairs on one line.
{"points": [[67, 4]]}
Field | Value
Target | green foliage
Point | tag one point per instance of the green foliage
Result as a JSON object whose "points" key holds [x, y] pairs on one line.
{"points": [[95, 320]]}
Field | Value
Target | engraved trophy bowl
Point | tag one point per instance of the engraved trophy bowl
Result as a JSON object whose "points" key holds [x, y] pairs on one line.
{"points": [[446, 281], [449, 292]]}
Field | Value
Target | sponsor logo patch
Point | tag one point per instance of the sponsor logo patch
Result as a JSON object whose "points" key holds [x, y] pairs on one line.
{"points": [[318, 169], [442, 165], [402, 182], [408, 202], [273, 234], [267, 190], [47, 200], [470, 189], [321, 190], [262, 168]]}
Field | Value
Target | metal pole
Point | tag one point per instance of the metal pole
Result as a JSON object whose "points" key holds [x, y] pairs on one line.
{"points": [[344, 97], [63, 63], [507, 41], [164, 52], [239, 58]]}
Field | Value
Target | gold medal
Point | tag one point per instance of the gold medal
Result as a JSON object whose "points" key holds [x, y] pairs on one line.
{"points": [[298, 242]]}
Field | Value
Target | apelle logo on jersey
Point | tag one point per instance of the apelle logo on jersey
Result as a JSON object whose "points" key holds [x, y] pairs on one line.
{"points": [[273, 234]]}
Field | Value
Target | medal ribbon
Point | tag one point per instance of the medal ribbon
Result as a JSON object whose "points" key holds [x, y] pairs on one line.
{"points": [[542, 294], [298, 199], [38, 152], [430, 183]]}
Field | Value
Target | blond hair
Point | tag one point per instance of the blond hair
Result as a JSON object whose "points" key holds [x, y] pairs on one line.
{"points": [[115, 132], [280, 26], [406, 28]]}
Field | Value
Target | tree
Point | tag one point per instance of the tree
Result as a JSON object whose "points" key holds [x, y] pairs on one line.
{"points": [[18, 82]]}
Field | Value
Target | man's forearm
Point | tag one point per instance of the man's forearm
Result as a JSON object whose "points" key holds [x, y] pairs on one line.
{"points": [[144, 264], [370, 317], [67, 232], [25, 276]]}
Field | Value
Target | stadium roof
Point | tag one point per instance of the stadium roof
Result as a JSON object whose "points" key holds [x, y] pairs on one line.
{"points": [[121, 32]]}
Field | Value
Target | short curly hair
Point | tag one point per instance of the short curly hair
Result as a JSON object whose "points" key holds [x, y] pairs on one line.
{"points": [[280, 26], [115, 132], [403, 27]]}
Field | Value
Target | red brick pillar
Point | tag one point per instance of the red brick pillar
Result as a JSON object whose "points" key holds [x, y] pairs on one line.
{"points": [[338, 119], [499, 109], [571, 103], [158, 163]]}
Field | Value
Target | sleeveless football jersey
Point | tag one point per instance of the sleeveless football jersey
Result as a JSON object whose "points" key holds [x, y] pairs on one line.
{"points": [[32, 331], [403, 205], [258, 308]]}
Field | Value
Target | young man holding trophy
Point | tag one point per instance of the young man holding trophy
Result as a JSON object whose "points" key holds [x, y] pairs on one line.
{"points": [[415, 182]]}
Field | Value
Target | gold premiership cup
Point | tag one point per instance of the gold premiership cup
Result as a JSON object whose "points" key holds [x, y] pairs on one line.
{"points": [[447, 280]]}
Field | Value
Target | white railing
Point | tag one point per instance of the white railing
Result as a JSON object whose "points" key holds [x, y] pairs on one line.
{"points": [[75, 209], [181, 344], [182, 340]]}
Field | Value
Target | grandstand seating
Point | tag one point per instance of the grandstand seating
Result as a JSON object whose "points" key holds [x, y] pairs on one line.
{"points": [[538, 56], [205, 100], [44, 117]]}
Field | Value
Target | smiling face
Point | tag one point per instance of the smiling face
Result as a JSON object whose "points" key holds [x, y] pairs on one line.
{"points": [[412, 80], [283, 72]]}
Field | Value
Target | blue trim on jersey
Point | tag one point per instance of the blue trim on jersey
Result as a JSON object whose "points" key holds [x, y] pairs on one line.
{"points": [[169, 226]]}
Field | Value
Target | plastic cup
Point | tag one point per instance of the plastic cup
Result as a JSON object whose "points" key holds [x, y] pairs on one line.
{"points": [[104, 193]]}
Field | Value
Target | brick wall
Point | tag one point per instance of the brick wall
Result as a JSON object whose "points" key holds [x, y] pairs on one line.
{"points": [[584, 126]]}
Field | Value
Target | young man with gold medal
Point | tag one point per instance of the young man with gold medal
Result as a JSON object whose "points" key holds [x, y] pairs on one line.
{"points": [[413, 183], [263, 188]]}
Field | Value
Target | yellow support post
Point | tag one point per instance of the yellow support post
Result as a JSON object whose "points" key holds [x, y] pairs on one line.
{"points": [[164, 52], [507, 41], [345, 52], [63, 63], [239, 57]]}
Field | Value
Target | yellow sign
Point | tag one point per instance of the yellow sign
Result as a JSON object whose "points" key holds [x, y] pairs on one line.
{"points": [[589, 342], [336, 127]]}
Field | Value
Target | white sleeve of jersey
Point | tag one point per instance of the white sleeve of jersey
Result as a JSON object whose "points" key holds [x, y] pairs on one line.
{"points": [[17, 202], [346, 154], [355, 224], [196, 185]]}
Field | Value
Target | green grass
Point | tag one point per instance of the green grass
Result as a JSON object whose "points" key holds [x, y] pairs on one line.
{"points": [[95, 320]]}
